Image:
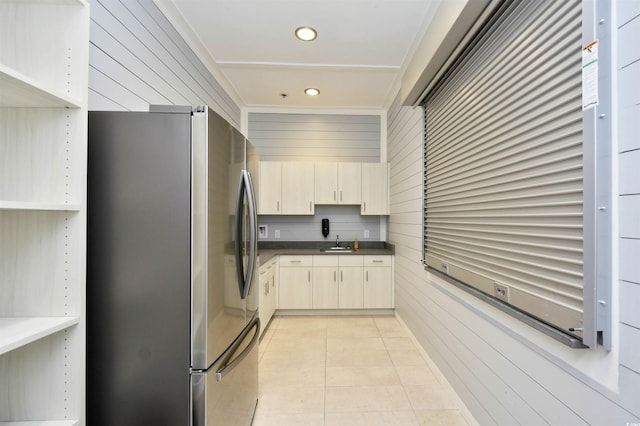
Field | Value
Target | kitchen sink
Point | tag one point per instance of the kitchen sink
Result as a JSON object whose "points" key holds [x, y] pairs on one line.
{"points": [[337, 250]]}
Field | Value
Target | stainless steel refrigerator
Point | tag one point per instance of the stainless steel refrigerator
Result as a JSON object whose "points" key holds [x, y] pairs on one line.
{"points": [[172, 321]]}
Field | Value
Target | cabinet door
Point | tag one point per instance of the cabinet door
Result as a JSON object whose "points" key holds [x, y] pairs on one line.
{"points": [[350, 288], [270, 188], [297, 188], [263, 297], [349, 183], [375, 189], [325, 287], [326, 183], [378, 287], [295, 290]]}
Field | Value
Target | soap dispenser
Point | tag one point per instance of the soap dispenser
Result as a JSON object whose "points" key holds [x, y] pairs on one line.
{"points": [[325, 227], [356, 246]]}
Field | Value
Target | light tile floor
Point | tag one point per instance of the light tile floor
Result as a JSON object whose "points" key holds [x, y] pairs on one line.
{"points": [[350, 370]]}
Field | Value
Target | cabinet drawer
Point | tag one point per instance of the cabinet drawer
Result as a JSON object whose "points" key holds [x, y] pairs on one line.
{"points": [[266, 267], [377, 260], [296, 261], [350, 260], [326, 260]]}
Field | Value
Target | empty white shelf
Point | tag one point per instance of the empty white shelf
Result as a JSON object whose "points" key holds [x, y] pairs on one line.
{"points": [[19, 331], [18, 90], [28, 205]]}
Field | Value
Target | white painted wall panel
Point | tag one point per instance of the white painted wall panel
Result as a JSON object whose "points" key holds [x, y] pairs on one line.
{"points": [[629, 173], [629, 312], [630, 347], [315, 137], [627, 10], [629, 206], [343, 220], [628, 70], [629, 126], [628, 46], [629, 92], [629, 248], [137, 58]]}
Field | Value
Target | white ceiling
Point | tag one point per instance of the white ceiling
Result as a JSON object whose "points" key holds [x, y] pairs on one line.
{"points": [[356, 62]]}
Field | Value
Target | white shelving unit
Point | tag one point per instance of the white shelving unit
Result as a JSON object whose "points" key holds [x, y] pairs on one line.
{"points": [[43, 148]]}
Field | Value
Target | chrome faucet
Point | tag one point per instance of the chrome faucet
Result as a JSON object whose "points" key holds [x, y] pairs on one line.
{"points": [[337, 240]]}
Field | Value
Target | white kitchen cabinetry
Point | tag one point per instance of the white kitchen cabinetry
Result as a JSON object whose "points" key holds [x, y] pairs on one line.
{"points": [[350, 287], [375, 189], [295, 290], [268, 295], [297, 188], [43, 141], [378, 282], [338, 183], [325, 282], [338, 282], [270, 188]]}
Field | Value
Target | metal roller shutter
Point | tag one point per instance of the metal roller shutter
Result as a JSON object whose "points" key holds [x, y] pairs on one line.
{"points": [[503, 168]]}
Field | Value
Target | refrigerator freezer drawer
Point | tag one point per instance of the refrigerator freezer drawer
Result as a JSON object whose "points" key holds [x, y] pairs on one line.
{"points": [[227, 393]]}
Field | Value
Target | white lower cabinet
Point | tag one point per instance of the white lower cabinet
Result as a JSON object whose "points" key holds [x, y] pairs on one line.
{"points": [[295, 285], [268, 294], [335, 282], [378, 282], [350, 287], [325, 282]]}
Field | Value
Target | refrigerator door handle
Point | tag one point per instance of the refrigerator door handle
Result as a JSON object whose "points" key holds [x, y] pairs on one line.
{"points": [[228, 364], [253, 232], [245, 278]]}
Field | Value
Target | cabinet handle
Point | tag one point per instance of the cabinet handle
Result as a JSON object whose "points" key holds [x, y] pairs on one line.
{"points": [[377, 261], [295, 261], [367, 276], [340, 195], [334, 195], [277, 206], [341, 278], [334, 276], [364, 204], [309, 276], [310, 206]]}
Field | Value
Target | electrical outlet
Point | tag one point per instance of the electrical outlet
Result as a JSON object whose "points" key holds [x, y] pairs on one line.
{"points": [[501, 291], [277, 233], [445, 268], [366, 233]]}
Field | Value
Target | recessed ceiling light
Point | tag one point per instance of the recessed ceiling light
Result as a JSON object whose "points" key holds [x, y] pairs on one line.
{"points": [[306, 33], [311, 91]]}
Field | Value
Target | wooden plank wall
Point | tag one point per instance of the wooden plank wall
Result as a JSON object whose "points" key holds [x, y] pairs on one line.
{"points": [[318, 137], [628, 70], [344, 221], [137, 58], [315, 137], [505, 372]]}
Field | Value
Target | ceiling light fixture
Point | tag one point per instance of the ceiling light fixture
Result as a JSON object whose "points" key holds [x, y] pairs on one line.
{"points": [[306, 33], [312, 91]]}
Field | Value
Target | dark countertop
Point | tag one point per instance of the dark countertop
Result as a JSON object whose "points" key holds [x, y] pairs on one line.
{"points": [[268, 249]]}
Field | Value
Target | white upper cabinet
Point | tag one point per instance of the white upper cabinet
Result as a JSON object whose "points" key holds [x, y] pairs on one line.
{"points": [[326, 183], [375, 189], [43, 145], [270, 188], [298, 188], [338, 183]]}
